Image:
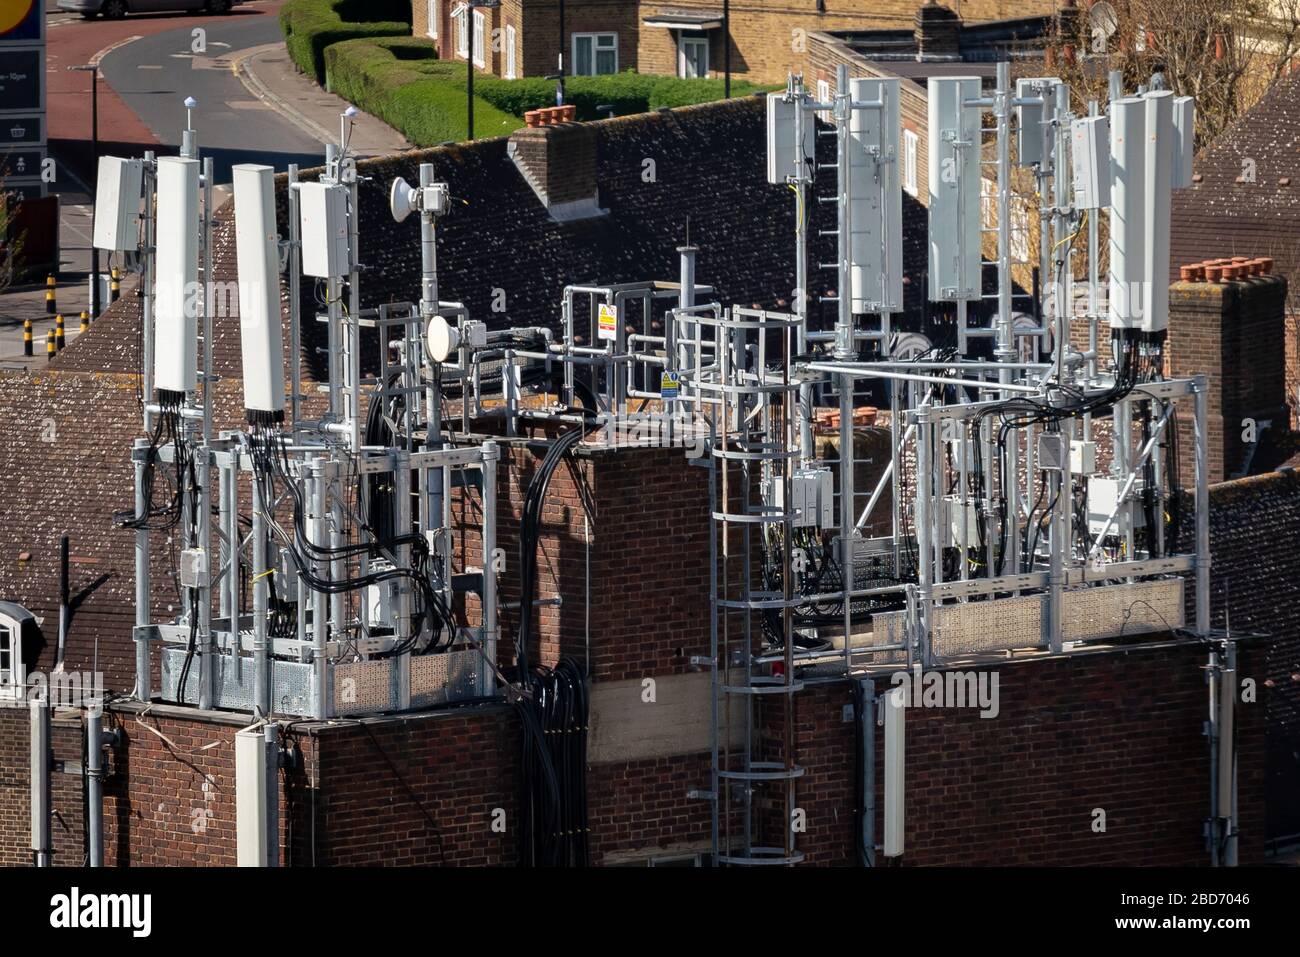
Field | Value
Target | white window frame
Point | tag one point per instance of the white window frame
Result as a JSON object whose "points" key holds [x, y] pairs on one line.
{"points": [[682, 41], [824, 96], [508, 68], [431, 8], [911, 143], [595, 47], [11, 647], [480, 39], [462, 34]]}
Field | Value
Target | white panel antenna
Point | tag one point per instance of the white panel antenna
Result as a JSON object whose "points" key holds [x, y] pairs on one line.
{"points": [[1090, 158], [783, 158], [1184, 140], [1127, 209], [1158, 197], [954, 165], [258, 258], [1143, 158], [177, 268], [1033, 144], [117, 204], [324, 216], [875, 198]]}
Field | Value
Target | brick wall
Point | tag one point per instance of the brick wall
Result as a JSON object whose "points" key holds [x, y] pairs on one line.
{"points": [[419, 789], [539, 26], [1116, 730], [1248, 520], [771, 37], [826, 53], [1232, 332]]}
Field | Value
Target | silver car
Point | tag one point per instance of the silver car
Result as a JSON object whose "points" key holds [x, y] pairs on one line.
{"points": [[117, 9]]}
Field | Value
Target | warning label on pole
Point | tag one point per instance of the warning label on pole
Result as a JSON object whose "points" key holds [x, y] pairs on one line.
{"points": [[607, 324]]}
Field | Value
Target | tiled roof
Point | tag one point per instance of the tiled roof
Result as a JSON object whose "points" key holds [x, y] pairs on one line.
{"points": [[67, 450], [1226, 214]]}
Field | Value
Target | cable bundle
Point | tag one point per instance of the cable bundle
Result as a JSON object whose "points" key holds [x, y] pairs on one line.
{"points": [[553, 808], [270, 462], [552, 709], [168, 430]]}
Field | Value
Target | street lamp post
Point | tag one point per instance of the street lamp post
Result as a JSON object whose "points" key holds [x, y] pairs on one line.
{"points": [[467, 9], [93, 69], [559, 83]]}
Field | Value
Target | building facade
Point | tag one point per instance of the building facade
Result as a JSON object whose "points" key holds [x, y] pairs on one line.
{"points": [[685, 38]]}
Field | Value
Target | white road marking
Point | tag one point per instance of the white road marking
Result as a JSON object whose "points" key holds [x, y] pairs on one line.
{"points": [[111, 47]]}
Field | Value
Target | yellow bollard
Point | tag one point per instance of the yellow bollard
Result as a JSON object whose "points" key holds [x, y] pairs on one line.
{"points": [[59, 340], [49, 344], [50, 306], [27, 337], [115, 285]]}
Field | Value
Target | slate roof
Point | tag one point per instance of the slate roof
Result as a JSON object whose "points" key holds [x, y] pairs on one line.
{"points": [[1222, 216]]}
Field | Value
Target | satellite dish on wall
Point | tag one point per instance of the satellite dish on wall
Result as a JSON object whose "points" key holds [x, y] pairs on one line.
{"points": [[1103, 18], [441, 339], [401, 199]]}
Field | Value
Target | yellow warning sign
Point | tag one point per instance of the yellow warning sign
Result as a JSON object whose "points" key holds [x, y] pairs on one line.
{"points": [[607, 327]]}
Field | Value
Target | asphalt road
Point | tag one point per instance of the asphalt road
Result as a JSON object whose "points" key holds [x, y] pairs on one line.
{"points": [[153, 76]]}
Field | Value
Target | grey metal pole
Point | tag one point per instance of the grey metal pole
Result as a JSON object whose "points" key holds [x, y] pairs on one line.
{"points": [[924, 446], [807, 448], [207, 648], [1199, 391], [1006, 346], [147, 290], [271, 734], [1227, 779], [143, 673], [402, 525], [261, 651], [95, 783], [295, 322], [845, 348], [42, 842], [491, 455], [320, 612], [353, 337], [867, 721], [431, 497]]}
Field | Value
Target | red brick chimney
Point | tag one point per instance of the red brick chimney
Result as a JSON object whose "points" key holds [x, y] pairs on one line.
{"points": [[558, 159], [937, 31], [1227, 320]]}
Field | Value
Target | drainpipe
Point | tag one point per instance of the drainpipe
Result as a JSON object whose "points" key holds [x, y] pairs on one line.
{"points": [[64, 606], [96, 740], [42, 849]]}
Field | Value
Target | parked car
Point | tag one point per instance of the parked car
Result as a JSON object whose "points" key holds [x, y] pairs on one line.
{"points": [[117, 9]]}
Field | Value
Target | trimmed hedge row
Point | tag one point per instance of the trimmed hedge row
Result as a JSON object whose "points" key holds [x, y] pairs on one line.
{"points": [[401, 80], [624, 92], [312, 26]]}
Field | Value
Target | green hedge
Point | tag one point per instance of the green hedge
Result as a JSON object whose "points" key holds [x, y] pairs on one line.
{"points": [[625, 92], [312, 26], [402, 81]]}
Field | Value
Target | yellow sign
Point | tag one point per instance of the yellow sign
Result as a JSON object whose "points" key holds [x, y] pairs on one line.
{"points": [[607, 324], [13, 12]]}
